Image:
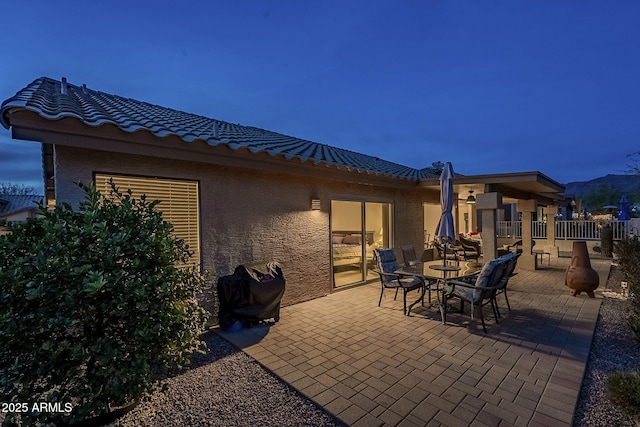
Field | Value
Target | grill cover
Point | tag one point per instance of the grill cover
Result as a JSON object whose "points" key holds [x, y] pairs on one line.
{"points": [[251, 294]]}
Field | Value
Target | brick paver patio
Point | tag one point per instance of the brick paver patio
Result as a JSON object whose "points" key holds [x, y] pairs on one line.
{"points": [[372, 366]]}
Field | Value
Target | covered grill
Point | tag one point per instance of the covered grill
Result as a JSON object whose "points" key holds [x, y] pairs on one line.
{"points": [[250, 295]]}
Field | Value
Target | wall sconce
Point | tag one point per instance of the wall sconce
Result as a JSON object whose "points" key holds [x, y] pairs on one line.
{"points": [[315, 204], [470, 199]]}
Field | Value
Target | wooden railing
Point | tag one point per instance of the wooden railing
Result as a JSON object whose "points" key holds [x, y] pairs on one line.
{"points": [[566, 230]]}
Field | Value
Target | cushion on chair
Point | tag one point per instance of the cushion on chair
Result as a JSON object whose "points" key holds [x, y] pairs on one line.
{"points": [[387, 263], [410, 282], [483, 280], [507, 256], [386, 255], [510, 260]]}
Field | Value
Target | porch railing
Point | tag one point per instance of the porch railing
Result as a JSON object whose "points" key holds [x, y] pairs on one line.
{"points": [[566, 230]]}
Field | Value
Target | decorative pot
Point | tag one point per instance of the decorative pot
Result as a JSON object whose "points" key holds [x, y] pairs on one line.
{"points": [[580, 277]]}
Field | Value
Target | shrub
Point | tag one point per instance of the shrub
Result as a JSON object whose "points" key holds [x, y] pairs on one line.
{"points": [[628, 253], [97, 305], [624, 391], [624, 387]]}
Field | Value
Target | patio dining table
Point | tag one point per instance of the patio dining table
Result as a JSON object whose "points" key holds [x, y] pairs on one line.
{"points": [[437, 272]]}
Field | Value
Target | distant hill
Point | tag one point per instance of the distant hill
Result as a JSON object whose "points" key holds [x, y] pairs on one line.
{"points": [[627, 184]]}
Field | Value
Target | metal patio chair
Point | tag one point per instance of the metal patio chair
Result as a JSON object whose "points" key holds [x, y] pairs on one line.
{"points": [[471, 249], [479, 292], [409, 255], [509, 272], [386, 265], [452, 253]]}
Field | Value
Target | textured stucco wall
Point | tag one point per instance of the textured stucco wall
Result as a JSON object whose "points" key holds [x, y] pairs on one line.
{"points": [[249, 216]]}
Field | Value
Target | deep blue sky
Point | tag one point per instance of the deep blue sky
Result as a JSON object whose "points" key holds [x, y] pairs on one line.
{"points": [[492, 86]]}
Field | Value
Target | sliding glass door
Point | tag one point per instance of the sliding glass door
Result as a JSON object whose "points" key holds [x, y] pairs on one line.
{"points": [[357, 228]]}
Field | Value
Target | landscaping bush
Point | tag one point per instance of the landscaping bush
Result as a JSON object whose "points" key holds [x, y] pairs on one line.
{"points": [[628, 253], [624, 387], [624, 391], [97, 305]]}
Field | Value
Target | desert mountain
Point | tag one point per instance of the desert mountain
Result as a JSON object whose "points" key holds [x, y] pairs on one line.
{"points": [[626, 184]]}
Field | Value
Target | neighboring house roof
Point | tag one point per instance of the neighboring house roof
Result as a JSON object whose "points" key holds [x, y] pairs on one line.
{"points": [[11, 204], [53, 100]]}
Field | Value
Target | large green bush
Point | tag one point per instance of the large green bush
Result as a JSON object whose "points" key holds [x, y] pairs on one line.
{"points": [[96, 305]]}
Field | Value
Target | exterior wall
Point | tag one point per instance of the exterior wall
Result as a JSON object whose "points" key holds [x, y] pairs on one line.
{"points": [[21, 216], [249, 216]]}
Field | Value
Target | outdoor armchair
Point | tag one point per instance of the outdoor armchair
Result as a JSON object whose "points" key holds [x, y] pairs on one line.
{"points": [[511, 260], [479, 292], [517, 246], [470, 250], [451, 252], [386, 265]]}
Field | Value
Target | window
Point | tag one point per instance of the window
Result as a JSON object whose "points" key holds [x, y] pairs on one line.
{"points": [[178, 202], [357, 228]]}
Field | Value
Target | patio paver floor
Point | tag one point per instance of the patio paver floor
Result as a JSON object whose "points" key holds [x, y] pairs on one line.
{"points": [[372, 366]]}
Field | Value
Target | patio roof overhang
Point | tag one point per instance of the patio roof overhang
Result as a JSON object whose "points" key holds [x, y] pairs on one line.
{"points": [[513, 186]]}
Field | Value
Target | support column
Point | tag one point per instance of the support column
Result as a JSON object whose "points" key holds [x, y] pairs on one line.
{"points": [[527, 208], [551, 246], [473, 218], [488, 203]]}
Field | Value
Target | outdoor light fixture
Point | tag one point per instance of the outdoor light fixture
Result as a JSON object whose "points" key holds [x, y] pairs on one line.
{"points": [[470, 199], [315, 204]]}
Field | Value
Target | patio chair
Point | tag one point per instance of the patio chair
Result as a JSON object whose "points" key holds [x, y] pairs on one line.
{"points": [[478, 293], [451, 255], [409, 255], [470, 250], [386, 265], [509, 272], [517, 246]]}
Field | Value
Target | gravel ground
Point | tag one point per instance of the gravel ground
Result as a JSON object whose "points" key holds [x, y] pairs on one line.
{"points": [[226, 387], [614, 349]]}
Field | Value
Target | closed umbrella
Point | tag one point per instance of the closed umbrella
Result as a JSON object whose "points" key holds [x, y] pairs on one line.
{"points": [[445, 231], [623, 212]]}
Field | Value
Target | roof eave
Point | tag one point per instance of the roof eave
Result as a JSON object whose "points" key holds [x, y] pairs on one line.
{"points": [[28, 125]]}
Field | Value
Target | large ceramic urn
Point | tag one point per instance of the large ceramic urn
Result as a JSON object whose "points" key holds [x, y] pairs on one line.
{"points": [[580, 277]]}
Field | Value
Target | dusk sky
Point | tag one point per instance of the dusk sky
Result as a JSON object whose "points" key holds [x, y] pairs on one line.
{"points": [[491, 86]]}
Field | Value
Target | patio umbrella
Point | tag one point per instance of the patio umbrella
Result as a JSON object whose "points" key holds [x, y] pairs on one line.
{"points": [[623, 212], [445, 231]]}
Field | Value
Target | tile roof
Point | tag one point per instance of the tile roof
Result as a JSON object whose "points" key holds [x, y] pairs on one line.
{"points": [[11, 203], [52, 100]]}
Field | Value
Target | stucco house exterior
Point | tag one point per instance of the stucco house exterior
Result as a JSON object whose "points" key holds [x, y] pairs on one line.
{"points": [[240, 194]]}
